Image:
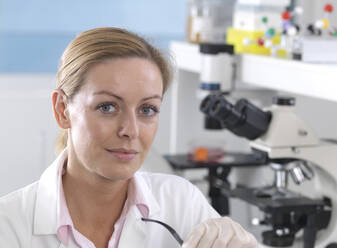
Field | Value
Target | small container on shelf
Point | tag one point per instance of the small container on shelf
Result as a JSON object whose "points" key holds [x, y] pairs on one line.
{"points": [[208, 20]]}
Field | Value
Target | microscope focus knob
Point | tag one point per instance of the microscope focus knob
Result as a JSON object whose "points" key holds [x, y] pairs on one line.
{"points": [[277, 239], [284, 101]]}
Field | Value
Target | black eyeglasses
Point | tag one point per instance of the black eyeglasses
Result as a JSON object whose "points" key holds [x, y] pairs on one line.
{"points": [[170, 229]]}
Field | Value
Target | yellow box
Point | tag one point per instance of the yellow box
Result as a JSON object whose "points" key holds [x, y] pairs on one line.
{"points": [[236, 36]]}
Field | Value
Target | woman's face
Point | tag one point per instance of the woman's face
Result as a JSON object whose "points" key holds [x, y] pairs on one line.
{"points": [[114, 117]]}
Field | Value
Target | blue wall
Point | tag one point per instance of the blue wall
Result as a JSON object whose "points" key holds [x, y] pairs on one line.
{"points": [[34, 33]]}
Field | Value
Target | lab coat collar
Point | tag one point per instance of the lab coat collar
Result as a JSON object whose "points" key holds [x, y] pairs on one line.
{"points": [[46, 215], [47, 201], [145, 190]]}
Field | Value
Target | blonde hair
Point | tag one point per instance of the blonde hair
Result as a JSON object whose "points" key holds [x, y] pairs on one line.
{"points": [[95, 46]]}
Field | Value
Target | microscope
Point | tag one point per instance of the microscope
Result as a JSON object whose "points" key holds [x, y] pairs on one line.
{"points": [[294, 216]]}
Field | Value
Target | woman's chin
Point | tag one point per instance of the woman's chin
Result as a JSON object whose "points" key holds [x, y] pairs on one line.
{"points": [[119, 171]]}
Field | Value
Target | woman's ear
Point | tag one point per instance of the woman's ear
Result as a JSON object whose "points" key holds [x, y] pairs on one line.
{"points": [[60, 108]]}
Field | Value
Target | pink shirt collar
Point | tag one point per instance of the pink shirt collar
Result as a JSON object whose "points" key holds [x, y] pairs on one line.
{"points": [[65, 227]]}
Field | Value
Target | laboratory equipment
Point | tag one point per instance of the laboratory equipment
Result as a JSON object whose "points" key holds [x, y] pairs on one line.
{"points": [[216, 67], [208, 20], [291, 38], [320, 45], [295, 217], [243, 119], [218, 172], [317, 43], [324, 24], [217, 74], [256, 22]]}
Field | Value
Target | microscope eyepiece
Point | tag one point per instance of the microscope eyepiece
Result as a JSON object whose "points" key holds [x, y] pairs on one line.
{"points": [[215, 106], [243, 119], [210, 102], [224, 110], [205, 106]]}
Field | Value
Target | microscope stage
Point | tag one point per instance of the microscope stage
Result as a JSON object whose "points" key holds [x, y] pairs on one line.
{"points": [[278, 201], [230, 159]]}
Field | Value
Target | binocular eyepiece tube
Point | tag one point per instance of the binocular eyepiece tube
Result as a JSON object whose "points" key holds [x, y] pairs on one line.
{"points": [[243, 119]]}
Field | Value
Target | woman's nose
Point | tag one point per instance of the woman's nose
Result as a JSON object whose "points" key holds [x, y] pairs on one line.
{"points": [[128, 127]]}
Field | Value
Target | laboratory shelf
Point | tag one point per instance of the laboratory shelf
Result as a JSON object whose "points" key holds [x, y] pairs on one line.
{"points": [[314, 80]]}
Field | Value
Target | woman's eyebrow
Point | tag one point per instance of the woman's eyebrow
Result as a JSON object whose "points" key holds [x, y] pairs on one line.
{"points": [[152, 97], [105, 92]]}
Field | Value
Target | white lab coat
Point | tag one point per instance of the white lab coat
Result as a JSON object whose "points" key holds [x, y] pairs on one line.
{"points": [[29, 216]]}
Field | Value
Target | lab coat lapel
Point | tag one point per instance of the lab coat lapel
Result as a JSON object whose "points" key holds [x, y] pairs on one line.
{"points": [[134, 230]]}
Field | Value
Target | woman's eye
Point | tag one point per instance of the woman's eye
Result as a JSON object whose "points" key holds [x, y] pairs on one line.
{"points": [[107, 108], [149, 110]]}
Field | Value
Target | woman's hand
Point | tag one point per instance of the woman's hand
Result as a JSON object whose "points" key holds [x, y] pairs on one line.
{"points": [[220, 233]]}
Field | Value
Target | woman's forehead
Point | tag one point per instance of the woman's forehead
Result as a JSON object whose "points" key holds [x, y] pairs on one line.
{"points": [[124, 77]]}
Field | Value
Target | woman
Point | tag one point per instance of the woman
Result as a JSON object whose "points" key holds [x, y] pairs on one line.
{"points": [[110, 88]]}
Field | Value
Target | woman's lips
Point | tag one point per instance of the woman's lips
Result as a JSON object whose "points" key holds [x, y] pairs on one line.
{"points": [[122, 154]]}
